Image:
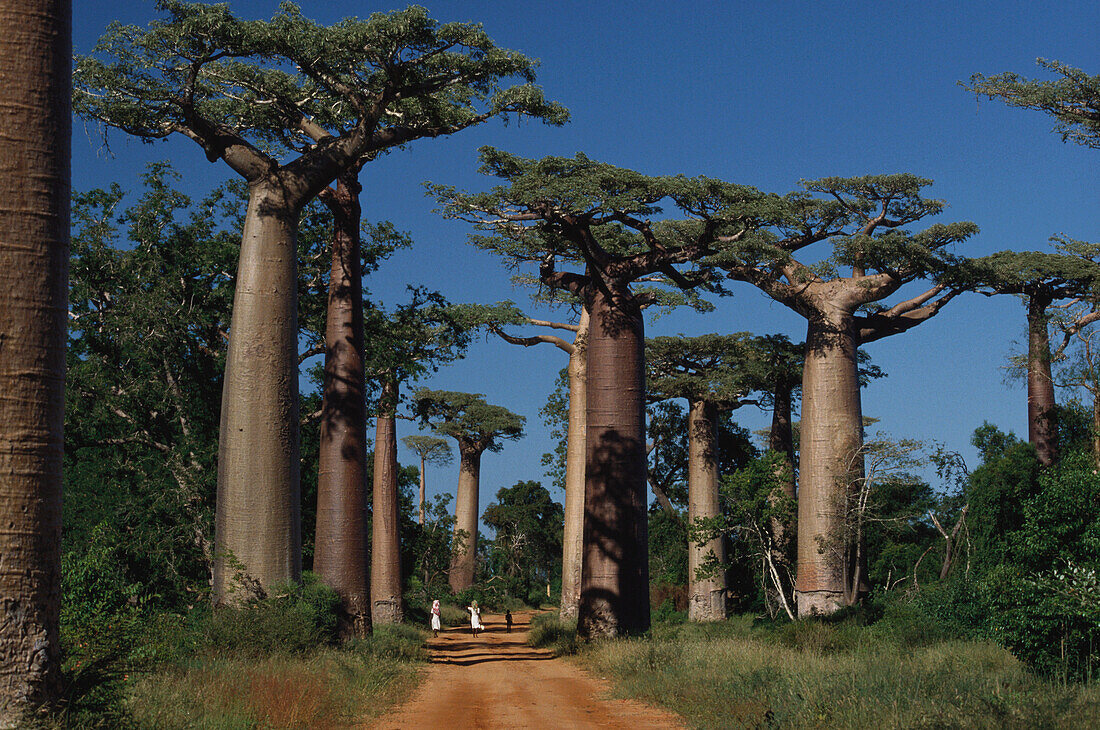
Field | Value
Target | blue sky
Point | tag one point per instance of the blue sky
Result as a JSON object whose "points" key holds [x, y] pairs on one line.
{"points": [[764, 94]]}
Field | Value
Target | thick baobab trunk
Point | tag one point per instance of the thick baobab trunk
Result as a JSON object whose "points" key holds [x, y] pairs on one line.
{"points": [[615, 572], [706, 596], [36, 53], [573, 532], [464, 553], [385, 559], [340, 553], [257, 531], [1042, 428], [830, 464]]}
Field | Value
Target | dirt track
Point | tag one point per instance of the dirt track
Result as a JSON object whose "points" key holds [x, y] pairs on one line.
{"points": [[496, 681]]}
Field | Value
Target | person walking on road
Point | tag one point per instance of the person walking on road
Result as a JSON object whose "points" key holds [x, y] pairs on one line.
{"points": [[435, 617], [508, 619], [475, 618]]}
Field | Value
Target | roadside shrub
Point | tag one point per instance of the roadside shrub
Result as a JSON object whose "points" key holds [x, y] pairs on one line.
{"points": [[548, 631], [393, 641], [1050, 620], [292, 619]]}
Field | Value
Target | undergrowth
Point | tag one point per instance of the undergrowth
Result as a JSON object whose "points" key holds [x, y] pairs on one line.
{"points": [[837, 674]]}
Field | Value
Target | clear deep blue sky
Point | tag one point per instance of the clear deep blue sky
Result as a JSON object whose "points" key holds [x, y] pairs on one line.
{"points": [[764, 94]]}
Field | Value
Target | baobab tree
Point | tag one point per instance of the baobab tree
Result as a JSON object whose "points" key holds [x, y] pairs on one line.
{"points": [[495, 318], [478, 427], [224, 83], [34, 258], [406, 344], [1041, 279], [594, 218], [863, 218], [431, 450], [710, 373]]}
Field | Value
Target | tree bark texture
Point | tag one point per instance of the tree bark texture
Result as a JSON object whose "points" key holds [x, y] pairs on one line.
{"points": [[573, 532], [340, 552], [706, 596], [615, 573], [385, 560], [36, 53], [464, 554], [831, 463], [1042, 427], [257, 527]]}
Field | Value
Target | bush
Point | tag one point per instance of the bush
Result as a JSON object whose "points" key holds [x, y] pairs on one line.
{"points": [[548, 631], [292, 619], [393, 641], [1050, 620]]}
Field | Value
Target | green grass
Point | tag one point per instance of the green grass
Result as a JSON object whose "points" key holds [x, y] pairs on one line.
{"points": [[548, 631], [325, 688], [837, 675]]}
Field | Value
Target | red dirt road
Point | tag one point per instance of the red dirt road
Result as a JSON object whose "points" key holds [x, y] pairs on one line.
{"points": [[497, 682]]}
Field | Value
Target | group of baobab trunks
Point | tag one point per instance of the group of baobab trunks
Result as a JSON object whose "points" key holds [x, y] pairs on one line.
{"points": [[587, 230], [296, 125]]}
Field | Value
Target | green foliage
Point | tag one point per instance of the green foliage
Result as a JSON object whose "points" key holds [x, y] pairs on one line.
{"points": [[476, 425], [1072, 99], [718, 369], [392, 641], [294, 618], [400, 75], [526, 549], [150, 291]]}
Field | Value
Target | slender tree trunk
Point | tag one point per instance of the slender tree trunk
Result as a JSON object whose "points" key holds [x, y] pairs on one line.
{"points": [[615, 572], [1042, 427], [340, 554], [781, 438], [257, 531], [781, 441], [385, 562], [1096, 430], [466, 507], [573, 533], [36, 54], [422, 491], [706, 596], [830, 465]]}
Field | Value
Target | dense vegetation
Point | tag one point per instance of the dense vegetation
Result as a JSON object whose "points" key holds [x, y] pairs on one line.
{"points": [[872, 593]]}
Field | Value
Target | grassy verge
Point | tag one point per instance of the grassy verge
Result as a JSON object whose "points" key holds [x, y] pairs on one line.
{"points": [[812, 675], [271, 663], [325, 688], [548, 631]]}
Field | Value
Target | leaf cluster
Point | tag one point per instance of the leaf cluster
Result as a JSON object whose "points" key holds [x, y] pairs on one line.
{"points": [[467, 418], [1073, 100], [399, 72]]}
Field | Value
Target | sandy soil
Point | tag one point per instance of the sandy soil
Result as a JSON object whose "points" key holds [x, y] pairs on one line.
{"points": [[496, 681]]}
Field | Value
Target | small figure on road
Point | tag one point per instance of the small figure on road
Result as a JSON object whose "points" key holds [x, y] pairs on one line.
{"points": [[508, 620], [435, 616], [475, 618]]}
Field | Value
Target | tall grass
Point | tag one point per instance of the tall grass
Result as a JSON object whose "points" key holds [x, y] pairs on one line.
{"points": [[815, 674], [326, 688], [548, 631]]}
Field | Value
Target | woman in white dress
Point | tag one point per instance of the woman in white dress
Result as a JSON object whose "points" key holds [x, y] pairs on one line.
{"points": [[475, 617], [435, 616]]}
